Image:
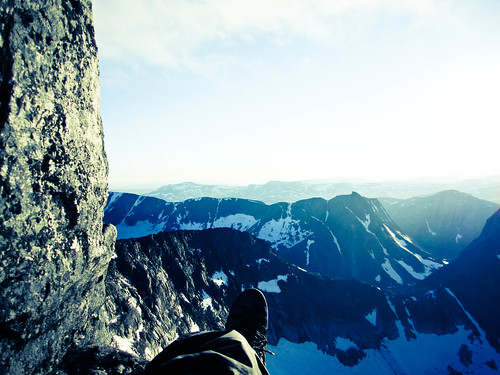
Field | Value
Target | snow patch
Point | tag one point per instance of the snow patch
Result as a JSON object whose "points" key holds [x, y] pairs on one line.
{"points": [[429, 228], [406, 238], [272, 286], [371, 254], [458, 237], [387, 267], [400, 242], [308, 255], [336, 242], [193, 327], [260, 260], [113, 197], [284, 231], [411, 271], [344, 344], [372, 317], [481, 332], [191, 226], [206, 301], [429, 265], [160, 214], [220, 278], [178, 310], [125, 345], [239, 222], [377, 278], [365, 223], [184, 298]]}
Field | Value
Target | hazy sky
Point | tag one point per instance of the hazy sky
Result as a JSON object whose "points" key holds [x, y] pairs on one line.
{"points": [[239, 92]]}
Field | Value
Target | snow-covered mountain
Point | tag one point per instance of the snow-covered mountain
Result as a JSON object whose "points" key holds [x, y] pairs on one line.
{"points": [[349, 236], [169, 283], [280, 191], [443, 223]]}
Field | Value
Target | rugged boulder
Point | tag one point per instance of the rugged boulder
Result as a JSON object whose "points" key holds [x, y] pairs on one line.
{"points": [[53, 185]]}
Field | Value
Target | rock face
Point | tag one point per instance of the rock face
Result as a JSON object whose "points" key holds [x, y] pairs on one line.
{"points": [[53, 184]]}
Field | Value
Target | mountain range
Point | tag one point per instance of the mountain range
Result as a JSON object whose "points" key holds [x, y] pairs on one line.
{"points": [[281, 191], [164, 284], [403, 321], [348, 237]]}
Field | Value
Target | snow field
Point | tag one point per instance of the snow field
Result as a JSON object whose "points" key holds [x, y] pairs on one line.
{"points": [[239, 222], [272, 286], [427, 354], [220, 278]]}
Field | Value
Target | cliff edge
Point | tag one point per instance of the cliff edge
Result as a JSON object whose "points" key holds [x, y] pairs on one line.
{"points": [[54, 251]]}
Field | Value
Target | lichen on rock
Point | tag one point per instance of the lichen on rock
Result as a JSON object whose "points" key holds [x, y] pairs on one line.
{"points": [[54, 251]]}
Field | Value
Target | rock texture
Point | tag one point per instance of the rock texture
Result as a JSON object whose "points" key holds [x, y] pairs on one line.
{"points": [[53, 185]]}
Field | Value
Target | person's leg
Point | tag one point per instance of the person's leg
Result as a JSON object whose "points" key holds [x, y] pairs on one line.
{"points": [[208, 353], [249, 316], [238, 350]]}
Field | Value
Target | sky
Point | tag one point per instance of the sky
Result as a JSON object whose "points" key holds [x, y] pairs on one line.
{"points": [[240, 92]]}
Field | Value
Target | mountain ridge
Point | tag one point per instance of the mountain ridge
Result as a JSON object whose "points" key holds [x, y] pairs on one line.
{"points": [[281, 191], [443, 223], [348, 236]]}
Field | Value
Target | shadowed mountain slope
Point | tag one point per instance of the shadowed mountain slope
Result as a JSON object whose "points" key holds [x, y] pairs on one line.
{"points": [[444, 223]]}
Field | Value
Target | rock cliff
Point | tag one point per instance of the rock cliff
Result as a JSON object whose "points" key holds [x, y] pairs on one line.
{"points": [[53, 185]]}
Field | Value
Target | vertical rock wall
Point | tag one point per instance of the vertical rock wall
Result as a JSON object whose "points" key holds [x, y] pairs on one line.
{"points": [[54, 252]]}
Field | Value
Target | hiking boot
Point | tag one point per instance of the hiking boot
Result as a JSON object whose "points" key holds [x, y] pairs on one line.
{"points": [[248, 315]]}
